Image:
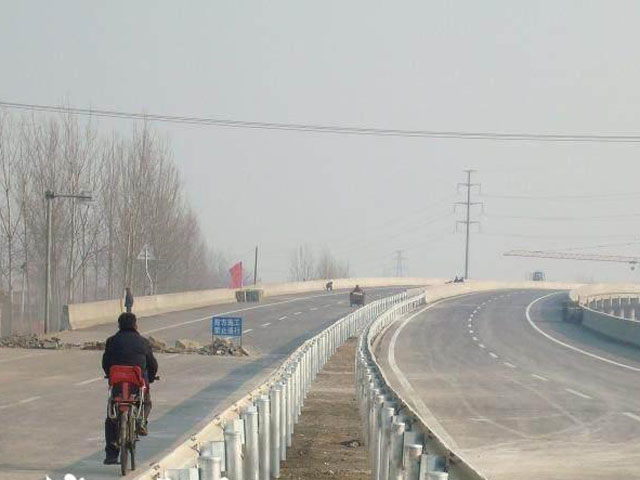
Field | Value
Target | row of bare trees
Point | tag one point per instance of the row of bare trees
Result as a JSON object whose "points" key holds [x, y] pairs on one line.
{"points": [[138, 200], [303, 265]]}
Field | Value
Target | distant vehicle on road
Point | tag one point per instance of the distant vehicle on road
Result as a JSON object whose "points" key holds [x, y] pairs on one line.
{"points": [[537, 276], [356, 297]]}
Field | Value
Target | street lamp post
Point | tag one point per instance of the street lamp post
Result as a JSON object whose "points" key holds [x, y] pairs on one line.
{"points": [[49, 195]]}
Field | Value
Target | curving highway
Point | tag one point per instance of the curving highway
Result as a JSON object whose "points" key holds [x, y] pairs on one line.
{"points": [[52, 403], [516, 391]]}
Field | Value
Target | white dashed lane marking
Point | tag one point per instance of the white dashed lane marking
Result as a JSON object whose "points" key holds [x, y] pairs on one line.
{"points": [[475, 339], [633, 416], [21, 402], [297, 313], [539, 377], [283, 317], [493, 355], [266, 324], [510, 365], [87, 382], [313, 308], [577, 393], [482, 345], [248, 330]]}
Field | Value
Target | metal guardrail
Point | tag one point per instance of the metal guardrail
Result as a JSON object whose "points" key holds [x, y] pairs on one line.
{"points": [[401, 445], [248, 440]]}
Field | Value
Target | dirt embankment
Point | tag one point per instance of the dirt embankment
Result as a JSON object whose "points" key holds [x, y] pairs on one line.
{"points": [[327, 443]]}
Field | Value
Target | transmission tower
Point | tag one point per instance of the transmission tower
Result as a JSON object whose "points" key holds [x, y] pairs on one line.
{"points": [[467, 222], [400, 259]]}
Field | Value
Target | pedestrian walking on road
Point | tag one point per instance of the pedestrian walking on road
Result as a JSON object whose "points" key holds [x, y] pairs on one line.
{"points": [[128, 300]]}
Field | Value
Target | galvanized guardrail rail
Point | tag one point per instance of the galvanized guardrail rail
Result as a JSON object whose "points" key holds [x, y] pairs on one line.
{"points": [[401, 444], [249, 440]]}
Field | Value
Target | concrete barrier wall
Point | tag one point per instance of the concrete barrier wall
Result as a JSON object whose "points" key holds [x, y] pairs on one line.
{"points": [[605, 306], [83, 315], [618, 328]]}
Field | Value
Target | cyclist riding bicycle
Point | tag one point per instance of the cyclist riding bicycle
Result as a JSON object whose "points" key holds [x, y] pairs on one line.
{"points": [[127, 347]]}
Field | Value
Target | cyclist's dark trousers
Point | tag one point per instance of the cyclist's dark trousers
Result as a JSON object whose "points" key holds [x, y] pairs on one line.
{"points": [[111, 429]]}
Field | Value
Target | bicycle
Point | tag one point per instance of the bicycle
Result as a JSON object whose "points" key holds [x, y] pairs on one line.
{"points": [[125, 406]]}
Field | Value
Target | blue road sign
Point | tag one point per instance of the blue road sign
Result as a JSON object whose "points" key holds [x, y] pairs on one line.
{"points": [[226, 326]]}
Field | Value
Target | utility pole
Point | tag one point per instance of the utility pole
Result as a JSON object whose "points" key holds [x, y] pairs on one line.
{"points": [[400, 258], [49, 195], [255, 267], [467, 222]]}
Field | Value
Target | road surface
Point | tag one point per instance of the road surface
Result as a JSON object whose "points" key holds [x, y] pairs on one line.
{"points": [[52, 403], [520, 396]]}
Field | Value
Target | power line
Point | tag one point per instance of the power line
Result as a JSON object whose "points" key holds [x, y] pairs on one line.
{"points": [[333, 129], [566, 218], [562, 197], [527, 236]]}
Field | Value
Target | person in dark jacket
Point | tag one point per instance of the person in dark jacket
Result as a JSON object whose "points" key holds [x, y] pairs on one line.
{"points": [[128, 300], [127, 347]]}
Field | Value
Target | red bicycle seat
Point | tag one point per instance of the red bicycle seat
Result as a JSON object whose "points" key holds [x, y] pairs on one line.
{"points": [[126, 374]]}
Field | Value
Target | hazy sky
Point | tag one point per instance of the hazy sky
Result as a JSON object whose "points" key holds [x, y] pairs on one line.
{"points": [[507, 66]]}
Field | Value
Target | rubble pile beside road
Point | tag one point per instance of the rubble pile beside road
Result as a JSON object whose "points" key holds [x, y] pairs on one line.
{"points": [[219, 347], [31, 341]]}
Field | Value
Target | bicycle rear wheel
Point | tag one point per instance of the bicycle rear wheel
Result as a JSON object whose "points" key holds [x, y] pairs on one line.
{"points": [[132, 441], [124, 442]]}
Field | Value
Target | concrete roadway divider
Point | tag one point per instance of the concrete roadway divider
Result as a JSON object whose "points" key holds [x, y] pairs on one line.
{"points": [[611, 310], [84, 315], [238, 445]]}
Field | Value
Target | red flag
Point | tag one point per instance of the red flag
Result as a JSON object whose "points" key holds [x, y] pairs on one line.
{"points": [[236, 276]]}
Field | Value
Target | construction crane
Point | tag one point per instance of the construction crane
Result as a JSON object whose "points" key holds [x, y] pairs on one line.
{"points": [[633, 261]]}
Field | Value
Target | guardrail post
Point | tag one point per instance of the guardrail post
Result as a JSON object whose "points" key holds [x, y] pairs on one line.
{"points": [[395, 450], [182, 474], [233, 446], [283, 421], [263, 437], [251, 460], [289, 400], [616, 305], [377, 436], [275, 431], [371, 420], [633, 308], [412, 454], [296, 391], [209, 467], [437, 476], [386, 417], [432, 467]]}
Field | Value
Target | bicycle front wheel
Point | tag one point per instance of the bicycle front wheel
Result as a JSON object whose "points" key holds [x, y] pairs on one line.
{"points": [[124, 442]]}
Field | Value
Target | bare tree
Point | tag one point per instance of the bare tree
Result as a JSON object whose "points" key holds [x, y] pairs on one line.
{"points": [[301, 264], [138, 200], [10, 216], [328, 267]]}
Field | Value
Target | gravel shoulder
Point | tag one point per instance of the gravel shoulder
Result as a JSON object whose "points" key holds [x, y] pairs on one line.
{"points": [[328, 440]]}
